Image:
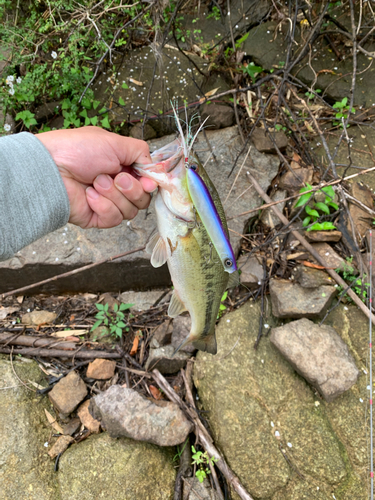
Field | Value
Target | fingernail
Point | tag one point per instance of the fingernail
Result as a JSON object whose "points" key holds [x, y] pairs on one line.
{"points": [[104, 181], [124, 181], [91, 193]]}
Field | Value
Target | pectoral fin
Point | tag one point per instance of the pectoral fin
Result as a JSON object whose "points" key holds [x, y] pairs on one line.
{"points": [[234, 280], [152, 242], [159, 254], [176, 307]]}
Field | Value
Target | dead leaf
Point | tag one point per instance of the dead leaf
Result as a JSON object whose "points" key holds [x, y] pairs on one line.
{"points": [[87, 419], [155, 392], [72, 339], [67, 333], [135, 346], [309, 127], [37, 386], [60, 446], [296, 157], [315, 266], [4, 311], [55, 425], [20, 299], [294, 256], [136, 82], [208, 94], [89, 296]]}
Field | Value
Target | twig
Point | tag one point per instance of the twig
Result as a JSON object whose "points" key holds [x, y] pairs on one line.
{"points": [[15, 373], [203, 436], [58, 353], [69, 273], [314, 253]]}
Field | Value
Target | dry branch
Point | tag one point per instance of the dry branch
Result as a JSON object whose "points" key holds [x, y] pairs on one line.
{"points": [[59, 353]]}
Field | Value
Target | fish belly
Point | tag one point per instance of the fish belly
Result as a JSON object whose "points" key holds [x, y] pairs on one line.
{"points": [[197, 274]]}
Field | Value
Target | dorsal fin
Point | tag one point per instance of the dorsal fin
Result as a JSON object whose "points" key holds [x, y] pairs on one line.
{"points": [[176, 307], [152, 242], [159, 254]]}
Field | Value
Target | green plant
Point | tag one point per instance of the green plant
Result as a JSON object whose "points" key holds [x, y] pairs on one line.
{"points": [[222, 307], [215, 13], [180, 450], [312, 212], [112, 319], [311, 95], [359, 286], [343, 109], [252, 70], [203, 461]]}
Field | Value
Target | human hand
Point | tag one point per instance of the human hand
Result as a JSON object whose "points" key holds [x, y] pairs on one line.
{"points": [[95, 167]]}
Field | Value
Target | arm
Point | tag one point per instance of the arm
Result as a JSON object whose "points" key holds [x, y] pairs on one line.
{"points": [[80, 175]]}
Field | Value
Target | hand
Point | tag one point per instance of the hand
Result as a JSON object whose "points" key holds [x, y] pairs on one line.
{"points": [[95, 167]]}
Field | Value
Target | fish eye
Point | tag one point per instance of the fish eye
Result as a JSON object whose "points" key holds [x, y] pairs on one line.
{"points": [[194, 167], [228, 263]]}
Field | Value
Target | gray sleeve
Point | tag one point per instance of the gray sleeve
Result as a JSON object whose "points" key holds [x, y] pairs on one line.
{"points": [[33, 198]]}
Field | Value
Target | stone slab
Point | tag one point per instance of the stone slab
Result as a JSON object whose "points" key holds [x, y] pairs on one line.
{"points": [[71, 247]]}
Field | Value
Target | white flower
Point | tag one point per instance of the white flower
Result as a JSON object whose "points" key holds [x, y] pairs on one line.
{"points": [[11, 91], [7, 127], [9, 80], [53, 54], [19, 80]]}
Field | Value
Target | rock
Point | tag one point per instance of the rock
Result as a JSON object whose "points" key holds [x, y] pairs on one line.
{"points": [[318, 354], [144, 133], [57, 123], [194, 490], [143, 300], [290, 300], [266, 143], [294, 179], [86, 418], [107, 298], [124, 412], [68, 393], [362, 220], [308, 277], [313, 236], [60, 446], [100, 334], [38, 318], [165, 360], [162, 335], [72, 426], [104, 468], [181, 329], [251, 271], [268, 217], [218, 115], [331, 258], [101, 369], [71, 247], [47, 110]]}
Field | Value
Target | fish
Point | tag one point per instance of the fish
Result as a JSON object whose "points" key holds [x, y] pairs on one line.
{"points": [[197, 270]]}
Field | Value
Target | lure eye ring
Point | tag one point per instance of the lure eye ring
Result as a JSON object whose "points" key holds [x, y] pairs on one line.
{"points": [[194, 167], [228, 262]]}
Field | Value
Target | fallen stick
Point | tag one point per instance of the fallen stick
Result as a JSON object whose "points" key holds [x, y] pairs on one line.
{"points": [[29, 341], [69, 273], [313, 252], [59, 353], [203, 437]]}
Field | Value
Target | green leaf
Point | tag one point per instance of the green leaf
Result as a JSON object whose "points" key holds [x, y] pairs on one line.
{"points": [[95, 104], [201, 475], [322, 206], [95, 325], [83, 113], [105, 122], [94, 120], [124, 86], [119, 332], [225, 295], [121, 101], [86, 102], [333, 205], [307, 188], [100, 307], [303, 200], [328, 225], [306, 221], [123, 306], [106, 307], [311, 211], [121, 324], [315, 227], [329, 191], [115, 307]]}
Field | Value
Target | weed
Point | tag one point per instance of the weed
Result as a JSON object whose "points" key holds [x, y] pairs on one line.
{"points": [[203, 461], [112, 319], [222, 306], [312, 213], [342, 112], [358, 286]]}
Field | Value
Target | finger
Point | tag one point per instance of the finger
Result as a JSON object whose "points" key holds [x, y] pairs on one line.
{"points": [[105, 186], [133, 151], [148, 185], [132, 189], [106, 213]]}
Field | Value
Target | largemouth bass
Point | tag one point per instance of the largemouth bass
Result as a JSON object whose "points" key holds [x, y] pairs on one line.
{"points": [[199, 274]]}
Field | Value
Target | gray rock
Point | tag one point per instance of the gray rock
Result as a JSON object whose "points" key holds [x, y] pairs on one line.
{"points": [[38, 317], [9, 120], [47, 110], [71, 247], [268, 217], [294, 179], [319, 236], [256, 402], [124, 412], [181, 329], [217, 115], [331, 258], [361, 219], [165, 360], [290, 300], [194, 490], [72, 426], [318, 354], [266, 143], [145, 133], [251, 271], [308, 277], [143, 300], [162, 335], [68, 393]]}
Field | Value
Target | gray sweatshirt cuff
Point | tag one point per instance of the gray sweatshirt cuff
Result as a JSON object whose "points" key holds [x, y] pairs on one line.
{"points": [[33, 198]]}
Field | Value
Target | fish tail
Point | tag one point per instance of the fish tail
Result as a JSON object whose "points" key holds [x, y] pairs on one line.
{"points": [[208, 344]]}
